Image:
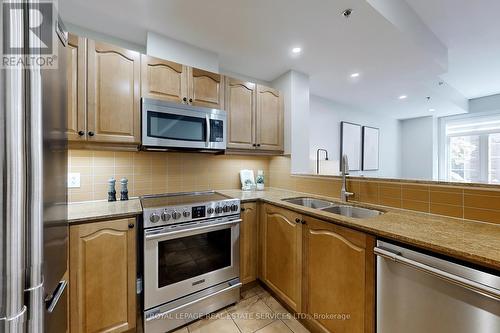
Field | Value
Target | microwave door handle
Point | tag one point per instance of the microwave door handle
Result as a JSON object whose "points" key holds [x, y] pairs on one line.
{"points": [[207, 120]]}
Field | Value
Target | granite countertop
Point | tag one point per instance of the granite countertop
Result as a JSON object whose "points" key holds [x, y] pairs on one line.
{"points": [[88, 211], [472, 241]]}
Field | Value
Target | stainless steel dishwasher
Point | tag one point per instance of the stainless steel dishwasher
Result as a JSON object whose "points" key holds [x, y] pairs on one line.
{"points": [[417, 292]]}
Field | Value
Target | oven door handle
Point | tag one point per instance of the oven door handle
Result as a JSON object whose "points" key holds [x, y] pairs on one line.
{"points": [[189, 230]]}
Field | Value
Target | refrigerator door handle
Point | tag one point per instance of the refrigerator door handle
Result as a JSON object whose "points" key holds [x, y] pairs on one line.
{"points": [[455, 279], [51, 302]]}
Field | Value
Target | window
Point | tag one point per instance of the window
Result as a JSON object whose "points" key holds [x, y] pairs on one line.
{"points": [[472, 152]]}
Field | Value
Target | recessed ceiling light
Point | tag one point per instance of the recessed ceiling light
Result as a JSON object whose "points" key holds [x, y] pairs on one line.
{"points": [[432, 110], [353, 75], [403, 97], [296, 50]]}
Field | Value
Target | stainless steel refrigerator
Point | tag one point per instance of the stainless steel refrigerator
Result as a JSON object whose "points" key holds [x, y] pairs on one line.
{"points": [[33, 167]]}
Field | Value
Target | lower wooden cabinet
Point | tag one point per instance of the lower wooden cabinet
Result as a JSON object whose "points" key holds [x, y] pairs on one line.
{"points": [[248, 242], [103, 276], [339, 278], [281, 253]]}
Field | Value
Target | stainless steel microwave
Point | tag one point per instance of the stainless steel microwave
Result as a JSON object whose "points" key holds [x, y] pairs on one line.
{"points": [[167, 125]]}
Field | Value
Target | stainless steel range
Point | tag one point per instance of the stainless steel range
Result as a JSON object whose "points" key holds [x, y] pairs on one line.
{"points": [[191, 257]]}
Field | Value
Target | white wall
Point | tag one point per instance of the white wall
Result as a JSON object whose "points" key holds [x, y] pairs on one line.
{"points": [[485, 104], [325, 118], [419, 148], [85, 32], [168, 48], [295, 89]]}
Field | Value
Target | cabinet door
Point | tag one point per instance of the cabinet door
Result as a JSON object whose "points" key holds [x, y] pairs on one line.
{"points": [[163, 79], [240, 107], [76, 82], [113, 94], [282, 254], [103, 276], [206, 88], [248, 242], [270, 126], [339, 277]]}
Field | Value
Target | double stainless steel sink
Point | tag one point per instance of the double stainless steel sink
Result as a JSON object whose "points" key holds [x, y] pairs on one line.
{"points": [[335, 208]]}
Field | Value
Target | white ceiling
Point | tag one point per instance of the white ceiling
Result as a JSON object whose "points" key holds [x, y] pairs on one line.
{"points": [[254, 38]]}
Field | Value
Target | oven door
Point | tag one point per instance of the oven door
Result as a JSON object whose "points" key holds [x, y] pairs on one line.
{"points": [[171, 125], [186, 258]]}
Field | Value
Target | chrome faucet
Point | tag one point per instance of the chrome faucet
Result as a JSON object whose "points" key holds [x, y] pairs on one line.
{"points": [[317, 158], [344, 169]]}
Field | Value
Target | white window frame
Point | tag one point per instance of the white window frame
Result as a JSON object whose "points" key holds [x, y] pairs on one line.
{"points": [[444, 143]]}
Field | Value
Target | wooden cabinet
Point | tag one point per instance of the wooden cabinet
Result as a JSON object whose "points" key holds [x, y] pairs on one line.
{"points": [[269, 120], [255, 117], [76, 82], [113, 94], [240, 107], [103, 85], [103, 276], [248, 242], [281, 254], [162, 79], [338, 277], [206, 88], [170, 81]]}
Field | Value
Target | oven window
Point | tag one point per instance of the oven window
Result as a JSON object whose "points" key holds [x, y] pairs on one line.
{"points": [[183, 258], [176, 127]]}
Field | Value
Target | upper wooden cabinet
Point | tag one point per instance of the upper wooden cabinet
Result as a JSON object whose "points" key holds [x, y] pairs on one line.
{"points": [[338, 277], [240, 107], [76, 81], [162, 79], [255, 117], [113, 94], [170, 81], [281, 254], [248, 242], [269, 129], [206, 88], [103, 276]]}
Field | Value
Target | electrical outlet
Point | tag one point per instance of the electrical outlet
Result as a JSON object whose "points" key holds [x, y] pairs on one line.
{"points": [[73, 179]]}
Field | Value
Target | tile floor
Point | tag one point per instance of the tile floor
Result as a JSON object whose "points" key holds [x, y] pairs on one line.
{"points": [[257, 312]]}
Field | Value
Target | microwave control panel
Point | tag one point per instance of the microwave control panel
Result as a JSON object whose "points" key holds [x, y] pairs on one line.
{"points": [[216, 130]]}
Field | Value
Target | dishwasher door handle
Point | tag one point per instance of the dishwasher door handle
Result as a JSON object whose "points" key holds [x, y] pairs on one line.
{"points": [[455, 279]]}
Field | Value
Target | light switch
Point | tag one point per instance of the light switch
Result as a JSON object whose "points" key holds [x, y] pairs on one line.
{"points": [[73, 179]]}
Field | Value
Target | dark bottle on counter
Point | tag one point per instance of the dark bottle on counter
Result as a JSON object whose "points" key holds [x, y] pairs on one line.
{"points": [[124, 189], [111, 189]]}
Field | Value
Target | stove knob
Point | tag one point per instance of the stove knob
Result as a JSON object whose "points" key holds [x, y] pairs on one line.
{"points": [[210, 211], [226, 209], [218, 210], [154, 218], [234, 207], [176, 215], [186, 214], [165, 216]]}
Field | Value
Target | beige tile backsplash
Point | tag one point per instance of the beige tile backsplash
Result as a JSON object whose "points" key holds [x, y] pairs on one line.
{"points": [[157, 172]]}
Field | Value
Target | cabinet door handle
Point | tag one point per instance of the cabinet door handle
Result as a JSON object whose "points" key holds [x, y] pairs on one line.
{"points": [[258, 145], [131, 226], [91, 133], [303, 222], [81, 133], [184, 99], [254, 145], [242, 209], [297, 220], [190, 100]]}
